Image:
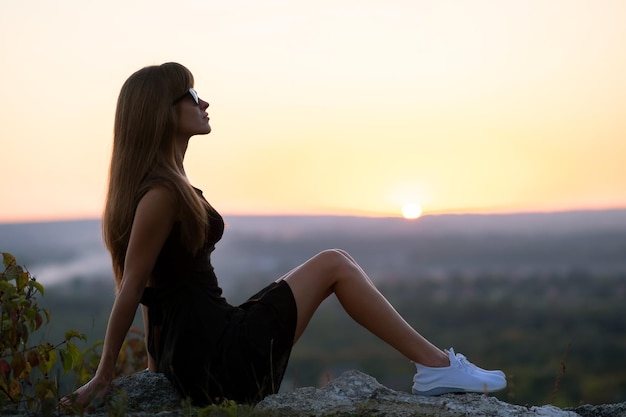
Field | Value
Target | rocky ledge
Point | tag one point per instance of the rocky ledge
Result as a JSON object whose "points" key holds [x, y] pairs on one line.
{"points": [[354, 394]]}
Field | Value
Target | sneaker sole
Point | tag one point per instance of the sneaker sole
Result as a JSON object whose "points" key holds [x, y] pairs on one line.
{"points": [[451, 390]]}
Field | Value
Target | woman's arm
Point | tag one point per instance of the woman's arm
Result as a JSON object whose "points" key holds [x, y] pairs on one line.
{"points": [[154, 217]]}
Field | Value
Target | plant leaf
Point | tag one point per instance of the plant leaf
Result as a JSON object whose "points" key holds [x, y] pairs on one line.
{"points": [[8, 260], [18, 364], [73, 334]]}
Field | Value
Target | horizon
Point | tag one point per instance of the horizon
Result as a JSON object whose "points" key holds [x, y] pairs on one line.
{"points": [[346, 215], [355, 214]]}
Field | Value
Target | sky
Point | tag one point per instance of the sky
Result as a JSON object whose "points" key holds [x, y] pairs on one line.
{"points": [[354, 107]]}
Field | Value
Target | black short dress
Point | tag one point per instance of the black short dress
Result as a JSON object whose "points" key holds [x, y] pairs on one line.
{"points": [[209, 349]]}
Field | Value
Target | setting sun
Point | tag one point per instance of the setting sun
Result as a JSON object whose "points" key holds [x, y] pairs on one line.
{"points": [[411, 211]]}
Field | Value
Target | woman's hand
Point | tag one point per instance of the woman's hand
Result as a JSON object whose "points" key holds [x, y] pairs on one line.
{"points": [[87, 397]]}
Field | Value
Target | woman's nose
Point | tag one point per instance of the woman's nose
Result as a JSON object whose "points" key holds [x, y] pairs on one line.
{"points": [[204, 104]]}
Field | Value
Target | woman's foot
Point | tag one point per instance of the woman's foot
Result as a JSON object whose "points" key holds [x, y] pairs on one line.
{"points": [[460, 376]]}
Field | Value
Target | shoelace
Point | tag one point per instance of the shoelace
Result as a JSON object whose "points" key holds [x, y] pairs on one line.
{"points": [[465, 363], [462, 361]]}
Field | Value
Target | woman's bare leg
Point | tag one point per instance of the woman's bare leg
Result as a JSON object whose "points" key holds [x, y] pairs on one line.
{"points": [[334, 271]]}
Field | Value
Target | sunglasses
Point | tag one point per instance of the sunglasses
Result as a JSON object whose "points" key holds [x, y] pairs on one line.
{"points": [[193, 95]]}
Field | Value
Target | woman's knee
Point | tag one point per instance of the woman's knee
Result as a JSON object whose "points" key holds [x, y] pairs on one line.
{"points": [[344, 253], [336, 260]]}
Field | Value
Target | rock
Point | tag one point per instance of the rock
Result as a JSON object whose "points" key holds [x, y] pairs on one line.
{"points": [[147, 394], [360, 394], [144, 391], [605, 410]]}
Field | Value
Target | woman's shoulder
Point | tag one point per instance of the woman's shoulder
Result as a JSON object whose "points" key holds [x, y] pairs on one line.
{"points": [[160, 193], [159, 198]]}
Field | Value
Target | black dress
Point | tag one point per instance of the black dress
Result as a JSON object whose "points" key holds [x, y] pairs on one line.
{"points": [[209, 349]]}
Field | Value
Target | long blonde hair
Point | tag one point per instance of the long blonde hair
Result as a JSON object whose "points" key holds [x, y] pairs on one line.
{"points": [[144, 155]]}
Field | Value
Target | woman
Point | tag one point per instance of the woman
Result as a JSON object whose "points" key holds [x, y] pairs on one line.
{"points": [[161, 232]]}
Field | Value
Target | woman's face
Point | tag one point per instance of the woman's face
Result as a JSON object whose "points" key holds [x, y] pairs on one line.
{"points": [[193, 118]]}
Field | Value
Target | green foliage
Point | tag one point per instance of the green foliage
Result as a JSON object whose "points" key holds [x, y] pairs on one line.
{"points": [[24, 367], [228, 408]]}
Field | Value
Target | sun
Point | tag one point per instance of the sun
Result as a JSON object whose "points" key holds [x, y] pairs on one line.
{"points": [[411, 211]]}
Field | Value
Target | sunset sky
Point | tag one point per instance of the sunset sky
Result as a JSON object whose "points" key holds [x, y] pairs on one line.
{"points": [[327, 107]]}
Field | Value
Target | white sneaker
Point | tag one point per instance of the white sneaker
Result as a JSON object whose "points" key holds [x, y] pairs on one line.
{"points": [[460, 376]]}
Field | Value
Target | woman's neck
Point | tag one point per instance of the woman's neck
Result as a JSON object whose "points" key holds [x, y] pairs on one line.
{"points": [[181, 149]]}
